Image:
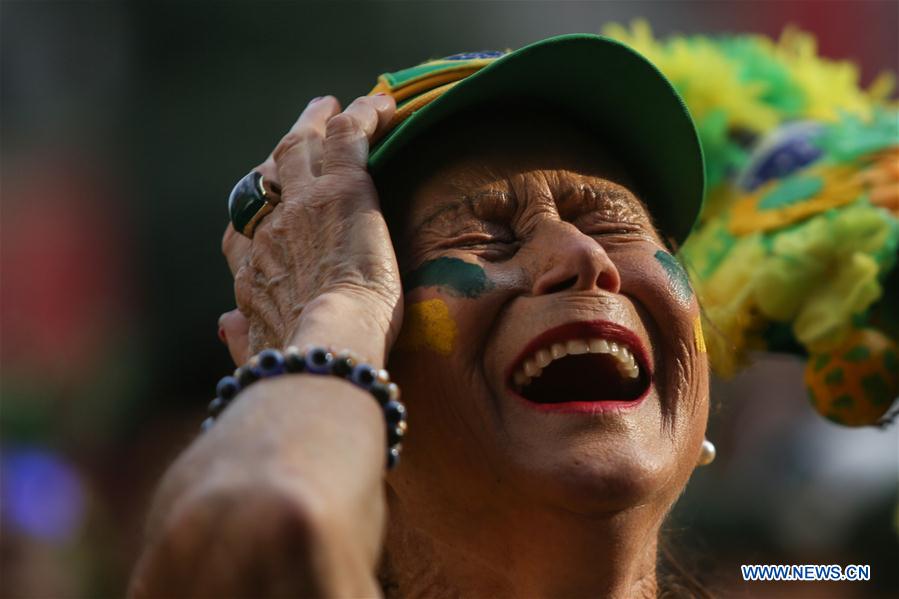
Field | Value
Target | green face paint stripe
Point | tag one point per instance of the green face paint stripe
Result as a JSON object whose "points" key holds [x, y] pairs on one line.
{"points": [[680, 282], [457, 276], [891, 361]]}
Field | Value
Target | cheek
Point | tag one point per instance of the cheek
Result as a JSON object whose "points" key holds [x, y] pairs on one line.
{"points": [[698, 335], [656, 280], [676, 280], [434, 292], [450, 275], [678, 285], [447, 304], [428, 325]]}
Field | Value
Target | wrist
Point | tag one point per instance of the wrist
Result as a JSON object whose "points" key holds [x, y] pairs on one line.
{"points": [[344, 323]]}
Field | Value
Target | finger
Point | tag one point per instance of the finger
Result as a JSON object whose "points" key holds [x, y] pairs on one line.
{"points": [[235, 247], [347, 135], [235, 328], [385, 117], [270, 180], [299, 153], [271, 183]]}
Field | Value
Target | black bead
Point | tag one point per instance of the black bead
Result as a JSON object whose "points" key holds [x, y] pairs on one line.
{"points": [[217, 405], [245, 375], [395, 434], [318, 360], [364, 375], [227, 388], [381, 392], [294, 362], [271, 362], [394, 412], [343, 366], [207, 424], [393, 458]]}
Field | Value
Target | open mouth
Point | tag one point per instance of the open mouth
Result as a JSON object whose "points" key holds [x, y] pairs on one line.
{"points": [[582, 363]]}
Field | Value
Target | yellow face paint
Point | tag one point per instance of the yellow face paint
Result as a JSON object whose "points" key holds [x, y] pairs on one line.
{"points": [[428, 324], [698, 336]]}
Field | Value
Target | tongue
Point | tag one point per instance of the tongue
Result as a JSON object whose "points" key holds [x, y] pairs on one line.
{"points": [[587, 377]]}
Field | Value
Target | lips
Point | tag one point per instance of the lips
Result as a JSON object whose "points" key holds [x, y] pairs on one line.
{"points": [[582, 365]]}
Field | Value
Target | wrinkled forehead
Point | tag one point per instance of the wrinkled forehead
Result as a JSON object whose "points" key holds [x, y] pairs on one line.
{"points": [[504, 151]]}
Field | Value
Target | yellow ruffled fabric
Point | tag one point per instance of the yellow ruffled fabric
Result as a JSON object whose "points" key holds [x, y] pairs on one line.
{"points": [[798, 276], [819, 285], [801, 224], [714, 73], [708, 80]]}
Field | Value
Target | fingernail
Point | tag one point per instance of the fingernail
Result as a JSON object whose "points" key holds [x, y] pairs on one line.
{"points": [[222, 335], [381, 94], [315, 99]]}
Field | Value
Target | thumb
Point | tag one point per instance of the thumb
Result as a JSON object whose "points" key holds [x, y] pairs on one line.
{"points": [[234, 329]]}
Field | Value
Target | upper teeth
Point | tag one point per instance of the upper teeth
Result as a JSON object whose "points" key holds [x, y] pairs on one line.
{"points": [[534, 365]]}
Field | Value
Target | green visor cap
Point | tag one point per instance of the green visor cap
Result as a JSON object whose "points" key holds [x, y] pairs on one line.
{"points": [[610, 88]]}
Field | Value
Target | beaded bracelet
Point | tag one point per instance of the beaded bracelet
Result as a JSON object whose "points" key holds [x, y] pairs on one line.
{"points": [[319, 360]]}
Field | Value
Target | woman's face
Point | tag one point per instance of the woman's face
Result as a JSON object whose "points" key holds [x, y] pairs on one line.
{"points": [[530, 248]]}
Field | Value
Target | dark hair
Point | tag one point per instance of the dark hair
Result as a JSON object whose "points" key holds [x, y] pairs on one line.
{"points": [[676, 580]]}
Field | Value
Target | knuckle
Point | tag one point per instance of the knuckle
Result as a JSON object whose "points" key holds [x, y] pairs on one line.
{"points": [[363, 105], [291, 192], [294, 140], [243, 288], [329, 102], [366, 108], [342, 125], [345, 163], [347, 183], [262, 236]]}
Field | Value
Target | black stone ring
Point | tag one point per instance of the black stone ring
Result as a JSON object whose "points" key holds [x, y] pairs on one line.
{"points": [[249, 201]]}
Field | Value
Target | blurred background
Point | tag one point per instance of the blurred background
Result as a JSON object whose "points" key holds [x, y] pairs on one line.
{"points": [[124, 127]]}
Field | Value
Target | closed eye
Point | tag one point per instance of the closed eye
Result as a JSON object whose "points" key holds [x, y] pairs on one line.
{"points": [[614, 230], [494, 248]]}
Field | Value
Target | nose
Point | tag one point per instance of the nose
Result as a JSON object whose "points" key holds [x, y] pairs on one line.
{"points": [[573, 262]]}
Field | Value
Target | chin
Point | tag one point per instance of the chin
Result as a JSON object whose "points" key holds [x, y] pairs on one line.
{"points": [[610, 470]]}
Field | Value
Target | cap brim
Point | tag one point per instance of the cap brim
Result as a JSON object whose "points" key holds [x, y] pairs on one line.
{"points": [[614, 91]]}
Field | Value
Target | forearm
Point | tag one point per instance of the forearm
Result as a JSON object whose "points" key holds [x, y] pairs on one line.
{"points": [[311, 450], [294, 465]]}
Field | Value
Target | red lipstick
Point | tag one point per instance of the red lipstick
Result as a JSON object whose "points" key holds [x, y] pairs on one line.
{"points": [[600, 329]]}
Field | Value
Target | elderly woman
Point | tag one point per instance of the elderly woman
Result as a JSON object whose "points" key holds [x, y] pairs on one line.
{"points": [[500, 242]]}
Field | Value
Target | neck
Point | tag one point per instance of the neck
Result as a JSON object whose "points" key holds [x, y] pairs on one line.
{"points": [[521, 553]]}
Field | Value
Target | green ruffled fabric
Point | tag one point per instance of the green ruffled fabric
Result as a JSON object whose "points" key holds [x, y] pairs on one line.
{"points": [[813, 279], [818, 285], [739, 87]]}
